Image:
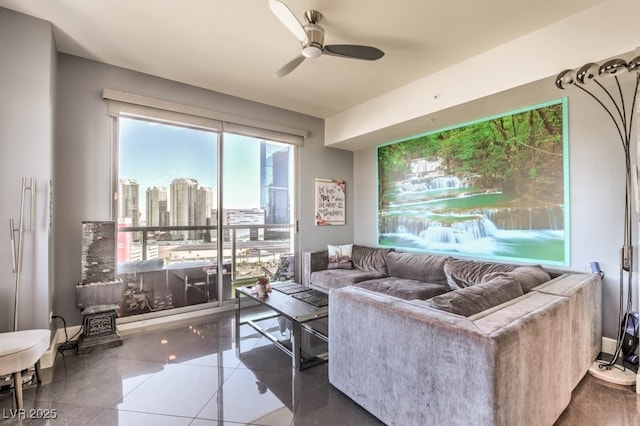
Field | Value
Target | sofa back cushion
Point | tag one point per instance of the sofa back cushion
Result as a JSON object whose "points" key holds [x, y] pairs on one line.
{"points": [[462, 273], [415, 266], [529, 276], [474, 299], [370, 258]]}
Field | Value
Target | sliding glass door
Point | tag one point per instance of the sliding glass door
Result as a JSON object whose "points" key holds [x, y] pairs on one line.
{"points": [[199, 211]]}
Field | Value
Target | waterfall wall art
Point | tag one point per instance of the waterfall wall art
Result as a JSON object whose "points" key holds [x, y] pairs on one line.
{"points": [[495, 188]]}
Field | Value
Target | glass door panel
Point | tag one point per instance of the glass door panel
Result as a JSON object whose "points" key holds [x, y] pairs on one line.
{"points": [[167, 215], [258, 219]]}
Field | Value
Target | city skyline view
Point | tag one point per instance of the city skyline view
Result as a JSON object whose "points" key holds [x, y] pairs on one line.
{"points": [[155, 154]]}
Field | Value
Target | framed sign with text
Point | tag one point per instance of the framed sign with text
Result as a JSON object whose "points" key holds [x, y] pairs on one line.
{"points": [[330, 202]]}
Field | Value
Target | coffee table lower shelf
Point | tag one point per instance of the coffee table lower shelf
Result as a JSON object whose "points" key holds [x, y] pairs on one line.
{"points": [[286, 346], [293, 347]]}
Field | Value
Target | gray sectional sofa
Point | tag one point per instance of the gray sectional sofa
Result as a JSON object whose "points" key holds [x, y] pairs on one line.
{"points": [[421, 339]]}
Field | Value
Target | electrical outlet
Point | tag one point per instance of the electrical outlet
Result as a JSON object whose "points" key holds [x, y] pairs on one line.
{"points": [[50, 317]]}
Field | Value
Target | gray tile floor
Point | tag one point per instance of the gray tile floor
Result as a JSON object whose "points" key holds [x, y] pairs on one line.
{"points": [[192, 375]]}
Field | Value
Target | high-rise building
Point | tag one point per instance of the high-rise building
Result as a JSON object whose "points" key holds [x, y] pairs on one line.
{"points": [[275, 196], [183, 207], [205, 211], [204, 205], [157, 206], [129, 199]]}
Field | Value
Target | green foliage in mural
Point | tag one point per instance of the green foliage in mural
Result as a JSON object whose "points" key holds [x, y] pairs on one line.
{"points": [[522, 154]]}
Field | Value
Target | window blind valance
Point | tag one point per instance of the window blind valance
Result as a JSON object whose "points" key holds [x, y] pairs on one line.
{"points": [[123, 104]]}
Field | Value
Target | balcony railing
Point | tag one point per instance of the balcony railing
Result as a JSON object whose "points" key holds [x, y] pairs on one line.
{"points": [[151, 257]]}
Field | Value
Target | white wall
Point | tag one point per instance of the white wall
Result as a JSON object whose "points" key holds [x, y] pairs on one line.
{"points": [[600, 31], [596, 179], [82, 158], [26, 140]]}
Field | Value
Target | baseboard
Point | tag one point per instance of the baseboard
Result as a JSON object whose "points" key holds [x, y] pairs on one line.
{"points": [[131, 326], [608, 345], [59, 337]]}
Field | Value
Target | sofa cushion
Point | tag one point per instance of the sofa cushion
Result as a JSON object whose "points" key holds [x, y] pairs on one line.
{"points": [[464, 273], [474, 299], [529, 276], [416, 266], [340, 256], [404, 288], [336, 278], [370, 258]]}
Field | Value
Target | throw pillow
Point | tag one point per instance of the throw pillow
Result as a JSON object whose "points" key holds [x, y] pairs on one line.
{"points": [[340, 256], [472, 300], [464, 273]]}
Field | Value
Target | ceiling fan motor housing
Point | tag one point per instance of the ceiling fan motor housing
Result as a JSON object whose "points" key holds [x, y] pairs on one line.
{"points": [[312, 47]]}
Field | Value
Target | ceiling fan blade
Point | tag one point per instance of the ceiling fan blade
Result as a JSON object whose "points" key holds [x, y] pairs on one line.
{"points": [[290, 66], [353, 51], [284, 14]]}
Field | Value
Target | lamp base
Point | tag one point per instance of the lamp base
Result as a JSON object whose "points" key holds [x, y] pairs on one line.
{"points": [[613, 375]]}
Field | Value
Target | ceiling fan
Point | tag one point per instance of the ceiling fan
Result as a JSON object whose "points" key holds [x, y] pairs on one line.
{"points": [[311, 35]]}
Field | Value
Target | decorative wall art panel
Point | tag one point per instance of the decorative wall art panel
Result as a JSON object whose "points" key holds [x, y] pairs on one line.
{"points": [[330, 202], [494, 188], [98, 251]]}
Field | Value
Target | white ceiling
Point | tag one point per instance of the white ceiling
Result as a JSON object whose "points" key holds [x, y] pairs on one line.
{"points": [[235, 46]]}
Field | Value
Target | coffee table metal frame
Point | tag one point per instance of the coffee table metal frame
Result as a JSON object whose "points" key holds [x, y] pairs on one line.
{"points": [[298, 312]]}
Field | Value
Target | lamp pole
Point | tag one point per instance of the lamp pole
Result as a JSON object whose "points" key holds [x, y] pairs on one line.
{"points": [[621, 114]]}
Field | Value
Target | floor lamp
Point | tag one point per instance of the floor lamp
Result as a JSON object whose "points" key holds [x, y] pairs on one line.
{"points": [[621, 114], [17, 241]]}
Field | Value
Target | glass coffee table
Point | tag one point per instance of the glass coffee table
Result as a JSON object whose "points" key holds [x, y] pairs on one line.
{"points": [[287, 302]]}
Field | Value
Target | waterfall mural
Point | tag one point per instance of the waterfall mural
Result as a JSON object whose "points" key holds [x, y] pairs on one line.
{"points": [[494, 188]]}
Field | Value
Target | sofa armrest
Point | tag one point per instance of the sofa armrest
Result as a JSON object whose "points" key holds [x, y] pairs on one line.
{"points": [[585, 295], [313, 261]]}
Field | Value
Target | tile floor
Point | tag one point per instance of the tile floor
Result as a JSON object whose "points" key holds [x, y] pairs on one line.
{"points": [[192, 375]]}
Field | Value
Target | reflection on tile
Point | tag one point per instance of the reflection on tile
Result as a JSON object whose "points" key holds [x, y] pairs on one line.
{"points": [[176, 345], [103, 385], [246, 400], [224, 358], [179, 390], [194, 375], [323, 404], [122, 417], [203, 422]]}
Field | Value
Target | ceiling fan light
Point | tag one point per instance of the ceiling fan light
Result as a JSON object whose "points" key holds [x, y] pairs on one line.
{"points": [[565, 79], [613, 67], [311, 51], [587, 73]]}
